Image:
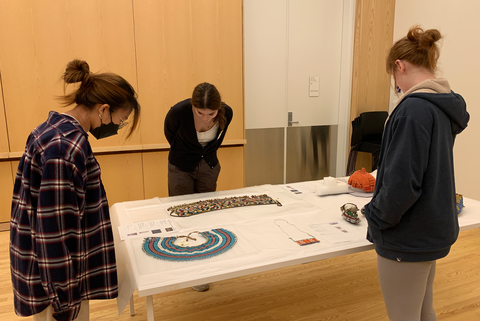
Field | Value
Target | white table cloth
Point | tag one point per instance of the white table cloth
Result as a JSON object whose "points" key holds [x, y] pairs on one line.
{"points": [[261, 243]]}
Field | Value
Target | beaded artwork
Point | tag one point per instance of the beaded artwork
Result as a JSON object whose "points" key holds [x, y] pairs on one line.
{"points": [[217, 241], [199, 207], [362, 180], [311, 240], [459, 202], [349, 213], [302, 242]]}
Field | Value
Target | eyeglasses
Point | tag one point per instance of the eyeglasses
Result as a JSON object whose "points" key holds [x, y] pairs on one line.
{"points": [[123, 123]]}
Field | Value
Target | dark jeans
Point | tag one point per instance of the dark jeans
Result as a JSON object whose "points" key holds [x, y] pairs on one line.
{"points": [[201, 180]]}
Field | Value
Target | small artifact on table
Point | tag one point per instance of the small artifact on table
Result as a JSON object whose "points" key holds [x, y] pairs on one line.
{"points": [[459, 201], [349, 213], [362, 180]]}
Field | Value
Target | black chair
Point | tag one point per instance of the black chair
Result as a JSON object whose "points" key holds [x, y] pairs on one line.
{"points": [[367, 131]]}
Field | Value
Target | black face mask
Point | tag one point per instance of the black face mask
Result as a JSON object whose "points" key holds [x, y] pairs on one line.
{"points": [[105, 130]]}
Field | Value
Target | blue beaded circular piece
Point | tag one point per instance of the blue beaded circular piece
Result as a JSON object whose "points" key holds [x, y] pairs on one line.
{"points": [[217, 241]]}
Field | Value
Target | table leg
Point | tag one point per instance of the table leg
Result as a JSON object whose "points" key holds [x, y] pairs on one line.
{"points": [[149, 301], [132, 306]]}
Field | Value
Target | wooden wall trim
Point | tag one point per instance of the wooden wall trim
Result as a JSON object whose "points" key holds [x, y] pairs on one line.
{"points": [[127, 148], [4, 226]]}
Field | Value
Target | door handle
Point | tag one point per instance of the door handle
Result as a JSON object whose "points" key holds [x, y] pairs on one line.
{"points": [[290, 117]]}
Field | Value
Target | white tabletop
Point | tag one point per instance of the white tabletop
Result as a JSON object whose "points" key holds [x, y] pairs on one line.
{"points": [[261, 243]]}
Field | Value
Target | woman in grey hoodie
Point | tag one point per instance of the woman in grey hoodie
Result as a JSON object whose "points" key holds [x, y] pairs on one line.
{"points": [[412, 218]]}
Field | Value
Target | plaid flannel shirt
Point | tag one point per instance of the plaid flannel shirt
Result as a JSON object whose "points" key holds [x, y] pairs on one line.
{"points": [[61, 242]]}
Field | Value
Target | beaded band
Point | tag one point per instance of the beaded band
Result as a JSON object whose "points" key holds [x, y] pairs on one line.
{"points": [[199, 207]]}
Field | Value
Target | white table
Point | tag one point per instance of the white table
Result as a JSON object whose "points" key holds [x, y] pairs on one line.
{"points": [[261, 244]]}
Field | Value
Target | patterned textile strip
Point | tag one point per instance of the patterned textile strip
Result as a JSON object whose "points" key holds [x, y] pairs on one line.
{"points": [[199, 207]]}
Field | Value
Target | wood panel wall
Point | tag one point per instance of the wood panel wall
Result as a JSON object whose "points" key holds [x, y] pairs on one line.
{"points": [[3, 125], [370, 82], [163, 48], [373, 39], [189, 42], [38, 40]]}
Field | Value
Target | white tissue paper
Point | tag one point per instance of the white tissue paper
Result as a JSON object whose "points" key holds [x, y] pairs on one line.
{"points": [[331, 186]]}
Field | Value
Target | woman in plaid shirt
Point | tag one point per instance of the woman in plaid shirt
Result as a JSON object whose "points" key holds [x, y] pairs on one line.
{"points": [[61, 242]]}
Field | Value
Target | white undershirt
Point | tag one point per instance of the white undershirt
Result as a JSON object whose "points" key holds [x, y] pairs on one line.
{"points": [[72, 117], [205, 137]]}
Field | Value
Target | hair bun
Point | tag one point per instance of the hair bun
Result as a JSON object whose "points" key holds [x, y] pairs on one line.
{"points": [[428, 38], [418, 47], [76, 71], [424, 39]]}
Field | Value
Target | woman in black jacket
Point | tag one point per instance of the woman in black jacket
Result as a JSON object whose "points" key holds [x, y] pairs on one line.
{"points": [[412, 218], [195, 129]]}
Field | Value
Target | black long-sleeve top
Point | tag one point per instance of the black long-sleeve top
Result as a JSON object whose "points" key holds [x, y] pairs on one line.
{"points": [[185, 150]]}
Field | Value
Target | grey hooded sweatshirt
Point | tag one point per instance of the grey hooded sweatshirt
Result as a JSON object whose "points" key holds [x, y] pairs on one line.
{"points": [[412, 215]]}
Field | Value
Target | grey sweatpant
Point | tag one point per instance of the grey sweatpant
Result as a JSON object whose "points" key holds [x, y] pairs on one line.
{"points": [[407, 289]]}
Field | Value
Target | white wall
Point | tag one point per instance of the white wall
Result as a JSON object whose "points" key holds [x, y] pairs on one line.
{"points": [[265, 54], [459, 59], [288, 41]]}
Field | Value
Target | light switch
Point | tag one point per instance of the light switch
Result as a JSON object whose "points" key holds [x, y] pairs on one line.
{"points": [[314, 86]]}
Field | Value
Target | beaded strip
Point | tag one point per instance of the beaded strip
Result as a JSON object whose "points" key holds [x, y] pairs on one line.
{"points": [[217, 242], [199, 207], [302, 242]]}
